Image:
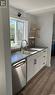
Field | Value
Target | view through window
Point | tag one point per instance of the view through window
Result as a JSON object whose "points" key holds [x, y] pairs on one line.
{"points": [[18, 31]]}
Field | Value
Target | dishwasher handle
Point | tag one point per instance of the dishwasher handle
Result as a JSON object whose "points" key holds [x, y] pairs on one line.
{"points": [[18, 64]]}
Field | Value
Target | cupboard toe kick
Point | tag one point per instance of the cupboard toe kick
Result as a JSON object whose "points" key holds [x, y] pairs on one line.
{"points": [[35, 63]]}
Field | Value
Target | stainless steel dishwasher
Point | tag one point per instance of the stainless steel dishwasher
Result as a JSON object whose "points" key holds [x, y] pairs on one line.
{"points": [[18, 76]]}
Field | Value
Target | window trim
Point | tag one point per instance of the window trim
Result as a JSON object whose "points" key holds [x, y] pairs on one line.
{"points": [[25, 28], [21, 20]]}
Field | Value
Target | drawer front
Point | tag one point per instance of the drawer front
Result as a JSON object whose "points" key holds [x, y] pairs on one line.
{"points": [[40, 53], [45, 54], [44, 58]]}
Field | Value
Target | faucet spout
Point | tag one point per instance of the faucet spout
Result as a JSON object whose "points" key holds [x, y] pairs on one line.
{"points": [[24, 44]]}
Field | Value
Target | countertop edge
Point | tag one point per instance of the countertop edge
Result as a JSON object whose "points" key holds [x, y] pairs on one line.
{"points": [[28, 56]]}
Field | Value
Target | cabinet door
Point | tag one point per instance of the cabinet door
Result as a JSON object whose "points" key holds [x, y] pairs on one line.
{"points": [[41, 62], [37, 63], [29, 68]]}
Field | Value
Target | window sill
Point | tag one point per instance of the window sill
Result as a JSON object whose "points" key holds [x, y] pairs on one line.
{"points": [[15, 49]]}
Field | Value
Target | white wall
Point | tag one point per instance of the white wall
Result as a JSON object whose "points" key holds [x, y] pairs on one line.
{"points": [[5, 64], [45, 21], [46, 30]]}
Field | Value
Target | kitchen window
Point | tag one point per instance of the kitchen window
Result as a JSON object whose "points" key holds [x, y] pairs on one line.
{"points": [[18, 32], [12, 30]]}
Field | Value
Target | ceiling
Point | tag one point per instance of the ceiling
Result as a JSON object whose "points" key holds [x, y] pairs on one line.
{"points": [[34, 6]]}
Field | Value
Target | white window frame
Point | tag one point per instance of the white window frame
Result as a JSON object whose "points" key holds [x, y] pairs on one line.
{"points": [[25, 29]]}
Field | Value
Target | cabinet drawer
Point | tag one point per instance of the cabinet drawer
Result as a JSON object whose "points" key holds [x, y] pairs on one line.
{"points": [[44, 59], [44, 53]]}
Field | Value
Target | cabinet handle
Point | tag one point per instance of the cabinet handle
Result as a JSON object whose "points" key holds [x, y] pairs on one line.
{"points": [[35, 61], [19, 63]]}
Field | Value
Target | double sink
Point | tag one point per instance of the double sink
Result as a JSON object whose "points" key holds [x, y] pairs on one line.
{"points": [[31, 51]]}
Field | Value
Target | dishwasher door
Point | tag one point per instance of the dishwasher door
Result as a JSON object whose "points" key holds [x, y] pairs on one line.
{"points": [[18, 77]]}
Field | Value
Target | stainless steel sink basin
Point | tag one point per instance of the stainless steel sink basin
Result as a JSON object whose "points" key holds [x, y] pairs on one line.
{"points": [[28, 52], [36, 49], [31, 51]]}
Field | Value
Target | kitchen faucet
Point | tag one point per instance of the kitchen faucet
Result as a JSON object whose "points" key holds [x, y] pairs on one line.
{"points": [[24, 44]]}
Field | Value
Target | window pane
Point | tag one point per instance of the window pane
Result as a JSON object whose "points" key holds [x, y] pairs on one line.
{"points": [[20, 31], [12, 30]]}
